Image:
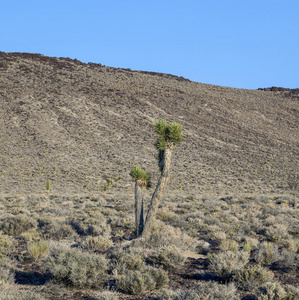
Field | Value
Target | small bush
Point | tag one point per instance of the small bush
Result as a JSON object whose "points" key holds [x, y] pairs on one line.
{"points": [[252, 276], [165, 235], [230, 245], [30, 235], [76, 268], [271, 291], [53, 230], [288, 259], [140, 282], [15, 225], [202, 291], [292, 292], [97, 243], [225, 264], [107, 296], [127, 262], [91, 227], [168, 258], [278, 232], [14, 293], [292, 245], [267, 253], [6, 274], [38, 249], [5, 243]]}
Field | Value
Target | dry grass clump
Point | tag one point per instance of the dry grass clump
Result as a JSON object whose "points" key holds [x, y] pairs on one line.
{"points": [[38, 249], [203, 290], [78, 269], [140, 282], [228, 263]]}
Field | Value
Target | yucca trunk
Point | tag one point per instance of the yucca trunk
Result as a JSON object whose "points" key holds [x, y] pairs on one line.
{"points": [[159, 190], [139, 220]]}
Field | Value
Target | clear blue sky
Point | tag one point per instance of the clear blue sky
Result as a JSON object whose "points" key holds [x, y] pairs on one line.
{"points": [[236, 43]]}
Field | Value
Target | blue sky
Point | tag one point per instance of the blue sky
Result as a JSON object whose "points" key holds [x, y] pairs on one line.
{"points": [[236, 43]]}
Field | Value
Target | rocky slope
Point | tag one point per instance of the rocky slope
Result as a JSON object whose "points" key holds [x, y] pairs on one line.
{"points": [[79, 124]]}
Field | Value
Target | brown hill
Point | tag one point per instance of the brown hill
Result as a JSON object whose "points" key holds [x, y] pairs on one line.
{"points": [[78, 124]]}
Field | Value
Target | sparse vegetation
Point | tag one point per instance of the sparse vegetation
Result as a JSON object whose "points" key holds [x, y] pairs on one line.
{"points": [[38, 249], [78, 269], [226, 227], [145, 280]]}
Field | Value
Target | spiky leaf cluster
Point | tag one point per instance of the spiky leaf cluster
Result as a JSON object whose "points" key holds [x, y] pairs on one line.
{"points": [[168, 134], [139, 175]]}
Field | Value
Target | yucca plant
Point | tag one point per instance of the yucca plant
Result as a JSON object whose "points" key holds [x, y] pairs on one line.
{"points": [[142, 181], [169, 136]]}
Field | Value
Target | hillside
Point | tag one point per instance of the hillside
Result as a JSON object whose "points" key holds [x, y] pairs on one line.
{"points": [[79, 124]]}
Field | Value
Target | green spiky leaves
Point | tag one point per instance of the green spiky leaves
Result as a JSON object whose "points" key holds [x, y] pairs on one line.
{"points": [[168, 134], [141, 176]]}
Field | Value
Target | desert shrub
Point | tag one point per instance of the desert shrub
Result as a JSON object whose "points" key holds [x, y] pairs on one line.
{"points": [[106, 295], [91, 227], [230, 245], [288, 259], [15, 225], [38, 249], [165, 215], [50, 229], [30, 235], [267, 253], [140, 282], [5, 244], [277, 232], [165, 235], [271, 291], [99, 243], [13, 293], [168, 257], [126, 261], [203, 290], [252, 276], [292, 292], [6, 274], [76, 268], [251, 241], [225, 264], [292, 245]]}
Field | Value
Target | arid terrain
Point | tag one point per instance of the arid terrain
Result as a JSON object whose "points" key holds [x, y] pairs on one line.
{"points": [[77, 124], [227, 226]]}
